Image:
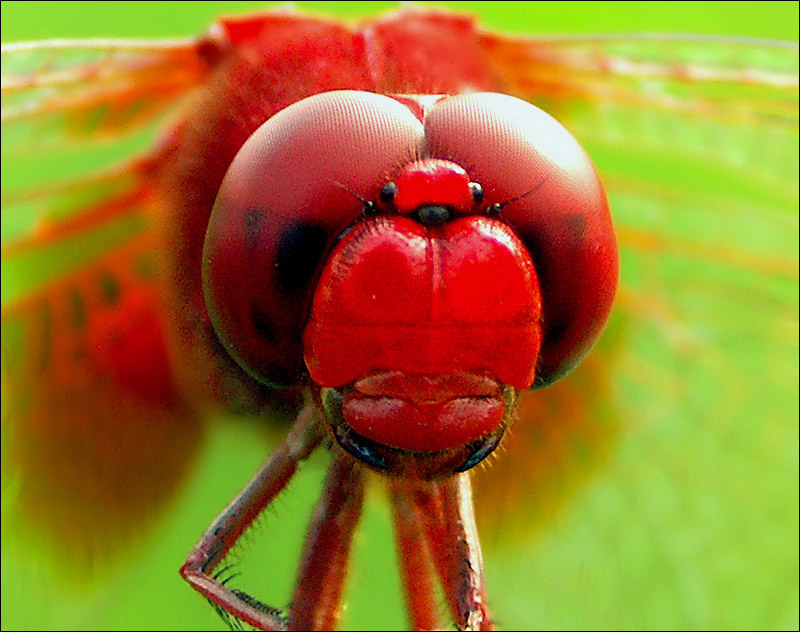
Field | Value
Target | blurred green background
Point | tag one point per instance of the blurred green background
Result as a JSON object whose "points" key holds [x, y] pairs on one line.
{"points": [[147, 593], [40, 20]]}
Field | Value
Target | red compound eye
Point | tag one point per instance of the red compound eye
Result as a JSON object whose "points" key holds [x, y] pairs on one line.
{"points": [[550, 194], [292, 189]]}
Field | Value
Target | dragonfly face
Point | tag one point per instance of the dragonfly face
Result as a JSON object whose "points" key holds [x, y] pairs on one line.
{"points": [[427, 315], [653, 430]]}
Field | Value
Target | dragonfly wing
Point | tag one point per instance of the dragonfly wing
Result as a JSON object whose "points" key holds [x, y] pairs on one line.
{"points": [[91, 413], [59, 91], [84, 336], [657, 484], [738, 80]]}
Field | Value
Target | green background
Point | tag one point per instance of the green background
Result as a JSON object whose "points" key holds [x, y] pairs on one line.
{"points": [[40, 20], [148, 593]]}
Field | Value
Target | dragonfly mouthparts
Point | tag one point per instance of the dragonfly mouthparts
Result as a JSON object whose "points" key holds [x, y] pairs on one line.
{"points": [[421, 425]]}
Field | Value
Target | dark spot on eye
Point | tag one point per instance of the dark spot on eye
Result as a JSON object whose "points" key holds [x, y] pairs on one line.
{"points": [[532, 241], [262, 325], [570, 231], [299, 252], [252, 224], [556, 329], [575, 228], [109, 289]]}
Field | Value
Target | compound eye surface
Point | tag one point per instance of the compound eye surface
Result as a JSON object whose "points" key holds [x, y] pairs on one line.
{"points": [[548, 191], [293, 187]]}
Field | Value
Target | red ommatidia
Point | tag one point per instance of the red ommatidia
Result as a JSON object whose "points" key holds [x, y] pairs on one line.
{"points": [[352, 229]]}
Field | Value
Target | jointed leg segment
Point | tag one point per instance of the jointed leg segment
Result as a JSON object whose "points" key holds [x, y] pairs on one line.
{"points": [[441, 515], [223, 533]]}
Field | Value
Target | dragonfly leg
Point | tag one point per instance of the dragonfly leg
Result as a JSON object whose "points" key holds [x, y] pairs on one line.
{"points": [[323, 565], [220, 537], [447, 519], [414, 557]]}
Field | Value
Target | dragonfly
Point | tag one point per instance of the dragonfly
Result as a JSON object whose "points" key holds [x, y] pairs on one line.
{"points": [[701, 303]]}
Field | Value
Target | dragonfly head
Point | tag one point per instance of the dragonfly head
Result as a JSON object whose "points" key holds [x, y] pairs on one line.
{"points": [[417, 260]]}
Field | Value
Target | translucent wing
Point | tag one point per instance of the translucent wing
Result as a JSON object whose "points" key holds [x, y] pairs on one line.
{"points": [[59, 100], [663, 472], [91, 412], [92, 90], [96, 436]]}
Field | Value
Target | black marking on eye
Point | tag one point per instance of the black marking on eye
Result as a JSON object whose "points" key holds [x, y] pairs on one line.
{"points": [[270, 373], [109, 288], [575, 228], [532, 241], [252, 226], [299, 252], [262, 324], [556, 329]]}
